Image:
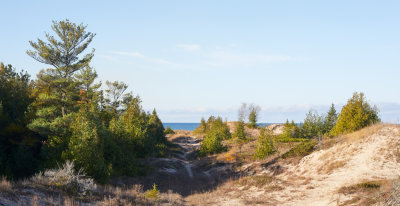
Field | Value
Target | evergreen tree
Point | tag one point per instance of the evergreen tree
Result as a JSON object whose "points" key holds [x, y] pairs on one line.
{"points": [[330, 119], [253, 115], [89, 93], [239, 130], [265, 144], [56, 89], [202, 128], [312, 126], [356, 114], [216, 132], [19, 146], [115, 93], [63, 54], [86, 145]]}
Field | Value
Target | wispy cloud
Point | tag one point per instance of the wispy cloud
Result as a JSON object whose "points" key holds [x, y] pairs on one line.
{"points": [[227, 58], [189, 47], [146, 58]]}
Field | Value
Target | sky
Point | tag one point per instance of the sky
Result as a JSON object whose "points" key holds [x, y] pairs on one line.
{"points": [[192, 59]]}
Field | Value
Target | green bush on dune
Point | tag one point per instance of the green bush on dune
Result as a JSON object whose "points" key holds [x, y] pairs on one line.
{"points": [[265, 144], [215, 132], [356, 114]]}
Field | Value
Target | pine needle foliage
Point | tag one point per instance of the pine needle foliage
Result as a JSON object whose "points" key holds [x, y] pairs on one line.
{"points": [[216, 132], [356, 114], [265, 144]]}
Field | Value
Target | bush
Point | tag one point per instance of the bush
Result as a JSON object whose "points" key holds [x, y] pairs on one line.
{"points": [[265, 145], [216, 132], [86, 146], [253, 115], [356, 114], [168, 130], [291, 133], [239, 131], [153, 193], [202, 128], [300, 150], [313, 125]]}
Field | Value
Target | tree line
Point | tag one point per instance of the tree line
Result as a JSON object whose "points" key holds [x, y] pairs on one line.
{"points": [[356, 114], [64, 115]]}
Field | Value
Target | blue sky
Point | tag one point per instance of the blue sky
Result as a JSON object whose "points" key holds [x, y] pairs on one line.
{"points": [[190, 59]]}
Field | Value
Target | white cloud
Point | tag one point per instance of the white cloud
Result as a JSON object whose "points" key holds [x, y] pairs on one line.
{"points": [[189, 47]]}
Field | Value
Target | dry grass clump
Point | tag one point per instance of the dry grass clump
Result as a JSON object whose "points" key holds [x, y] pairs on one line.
{"points": [[5, 185], [328, 168], [65, 178], [368, 192], [363, 133], [256, 181], [229, 156]]}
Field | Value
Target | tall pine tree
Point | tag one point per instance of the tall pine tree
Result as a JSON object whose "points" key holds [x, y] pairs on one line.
{"points": [[56, 90]]}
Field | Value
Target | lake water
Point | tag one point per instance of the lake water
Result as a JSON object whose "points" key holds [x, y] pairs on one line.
{"points": [[192, 126], [182, 126]]}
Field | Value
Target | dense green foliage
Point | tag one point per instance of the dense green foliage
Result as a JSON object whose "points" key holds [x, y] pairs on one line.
{"points": [[216, 131], [253, 115], [300, 150], [291, 133], [19, 146], [239, 132], [265, 144], [313, 125], [168, 130], [64, 116], [356, 114], [330, 119], [202, 128]]}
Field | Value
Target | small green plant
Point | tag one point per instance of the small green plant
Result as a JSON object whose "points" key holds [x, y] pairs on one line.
{"points": [[168, 130], [153, 193], [265, 145]]}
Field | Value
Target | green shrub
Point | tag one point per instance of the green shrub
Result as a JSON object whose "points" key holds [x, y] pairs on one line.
{"points": [[291, 133], [253, 115], [216, 131], [300, 150], [168, 130], [153, 193], [287, 139], [239, 131], [356, 114], [265, 145], [330, 120], [313, 125], [202, 128]]}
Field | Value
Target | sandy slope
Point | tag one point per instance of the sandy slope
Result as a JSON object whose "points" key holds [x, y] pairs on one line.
{"points": [[318, 176], [348, 163]]}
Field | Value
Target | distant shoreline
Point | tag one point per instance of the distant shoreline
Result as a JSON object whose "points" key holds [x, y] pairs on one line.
{"points": [[190, 126]]}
